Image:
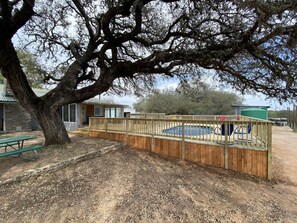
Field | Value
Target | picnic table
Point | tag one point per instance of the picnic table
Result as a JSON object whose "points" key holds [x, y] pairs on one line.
{"points": [[15, 146]]}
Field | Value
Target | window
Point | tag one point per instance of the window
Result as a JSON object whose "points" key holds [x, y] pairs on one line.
{"points": [[72, 112], [118, 112], [68, 113], [112, 112], [107, 114], [65, 113], [98, 110]]}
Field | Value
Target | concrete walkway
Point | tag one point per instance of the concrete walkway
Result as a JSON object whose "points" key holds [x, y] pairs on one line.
{"points": [[284, 150]]}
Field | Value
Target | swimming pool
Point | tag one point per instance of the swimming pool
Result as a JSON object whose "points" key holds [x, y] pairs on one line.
{"points": [[190, 130]]}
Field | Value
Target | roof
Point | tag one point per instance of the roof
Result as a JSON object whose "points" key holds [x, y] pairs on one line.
{"points": [[41, 91], [5, 98], [250, 106], [98, 101]]}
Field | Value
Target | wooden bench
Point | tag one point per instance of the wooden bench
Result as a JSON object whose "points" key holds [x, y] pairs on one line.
{"points": [[20, 151]]}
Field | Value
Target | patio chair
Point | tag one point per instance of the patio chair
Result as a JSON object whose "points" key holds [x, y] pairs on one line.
{"points": [[223, 131], [243, 129], [243, 132]]}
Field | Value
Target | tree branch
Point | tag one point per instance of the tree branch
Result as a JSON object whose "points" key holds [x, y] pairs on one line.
{"points": [[83, 13], [22, 16]]}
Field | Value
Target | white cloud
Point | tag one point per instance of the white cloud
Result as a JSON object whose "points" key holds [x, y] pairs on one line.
{"points": [[126, 100], [167, 83]]}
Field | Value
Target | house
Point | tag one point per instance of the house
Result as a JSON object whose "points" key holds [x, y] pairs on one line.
{"points": [[128, 110], [13, 117]]}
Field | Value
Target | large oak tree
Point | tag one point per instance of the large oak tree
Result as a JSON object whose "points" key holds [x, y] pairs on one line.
{"points": [[97, 45]]}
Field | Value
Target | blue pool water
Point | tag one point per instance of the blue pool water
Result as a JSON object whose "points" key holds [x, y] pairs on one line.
{"points": [[190, 130]]}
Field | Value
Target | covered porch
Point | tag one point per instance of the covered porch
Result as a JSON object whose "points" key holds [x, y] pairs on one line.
{"points": [[88, 110]]}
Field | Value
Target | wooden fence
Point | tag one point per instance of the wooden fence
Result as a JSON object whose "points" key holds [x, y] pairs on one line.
{"points": [[238, 145]]}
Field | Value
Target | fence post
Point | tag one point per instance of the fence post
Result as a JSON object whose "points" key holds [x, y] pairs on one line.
{"points": [[153, 139], [292, 118], [105, 125], [183, 140], [288, 117], [295, 120], [226, 145], [90, 123], [127, 129], [269, 151]]}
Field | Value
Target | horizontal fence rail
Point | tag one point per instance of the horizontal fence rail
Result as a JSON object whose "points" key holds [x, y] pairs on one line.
{"points": [[212, 117], [148, 115], [251, 134]]}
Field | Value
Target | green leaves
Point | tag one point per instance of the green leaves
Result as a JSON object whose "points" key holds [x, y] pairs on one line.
{"points": [[195, 98], [32, 68]]}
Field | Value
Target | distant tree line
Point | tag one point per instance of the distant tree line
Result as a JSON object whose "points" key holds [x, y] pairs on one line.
{"points": [[290, 114], [196, 98], [279, 114]]}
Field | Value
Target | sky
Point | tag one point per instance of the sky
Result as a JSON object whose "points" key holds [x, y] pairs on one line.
{"points": [[249, 99]]}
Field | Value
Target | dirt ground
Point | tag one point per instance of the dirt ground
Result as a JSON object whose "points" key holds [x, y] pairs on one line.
{"points": [[135, 186], [285, 151]]}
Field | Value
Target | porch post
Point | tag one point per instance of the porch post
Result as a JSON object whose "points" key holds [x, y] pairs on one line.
{"points": [[81, 116]]}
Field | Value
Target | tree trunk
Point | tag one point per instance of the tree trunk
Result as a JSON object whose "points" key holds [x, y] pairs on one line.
{"points": [[43, 110], [52, 126]]}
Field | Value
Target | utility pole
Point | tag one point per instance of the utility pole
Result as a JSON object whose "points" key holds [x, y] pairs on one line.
{"points": [[295, 119], [289, 116]]}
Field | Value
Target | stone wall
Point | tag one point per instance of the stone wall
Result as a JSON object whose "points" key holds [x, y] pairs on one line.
{"points": [[17, 118]]}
